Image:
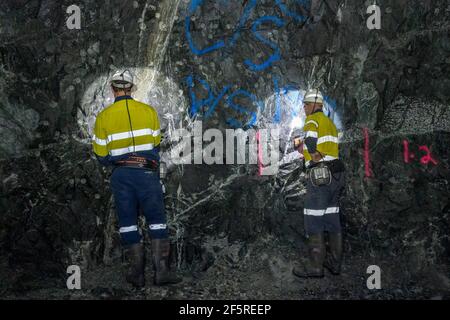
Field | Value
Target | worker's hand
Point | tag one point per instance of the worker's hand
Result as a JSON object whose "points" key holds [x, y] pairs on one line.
{"points": [[298, 143]]}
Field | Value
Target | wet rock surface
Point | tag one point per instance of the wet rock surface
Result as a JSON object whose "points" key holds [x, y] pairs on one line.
{"points": [[235, 235]]}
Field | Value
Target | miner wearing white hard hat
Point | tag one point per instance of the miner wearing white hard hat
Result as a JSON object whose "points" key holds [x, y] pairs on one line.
{"points": [[123, 80], [325, 173], [127, 136]]}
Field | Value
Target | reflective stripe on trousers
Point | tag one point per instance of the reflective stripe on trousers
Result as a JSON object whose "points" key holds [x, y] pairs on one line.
{"points": [[136, 189]]}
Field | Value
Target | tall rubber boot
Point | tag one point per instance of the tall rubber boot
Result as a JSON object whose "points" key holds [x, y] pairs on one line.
{"points": [[160, 252], [136, 258], [334, 260], [314, 269]]}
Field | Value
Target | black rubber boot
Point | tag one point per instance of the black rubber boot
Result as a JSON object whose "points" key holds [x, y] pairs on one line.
{"points": [[160, 251], [334, 259], [136, 258], [314, 269]]}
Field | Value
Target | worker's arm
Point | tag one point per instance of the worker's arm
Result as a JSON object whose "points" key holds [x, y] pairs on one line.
{"points": [[99, 143], [311, 129], [155, 126], [311, 144]]}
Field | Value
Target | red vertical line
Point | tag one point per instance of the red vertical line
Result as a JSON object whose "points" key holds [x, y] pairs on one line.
{"points": [[260, 160], [366, 153], [406, 151]]}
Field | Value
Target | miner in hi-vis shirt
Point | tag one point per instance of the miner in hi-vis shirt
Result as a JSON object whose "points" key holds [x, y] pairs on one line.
{"points": [[325, 181], [127, 136]]}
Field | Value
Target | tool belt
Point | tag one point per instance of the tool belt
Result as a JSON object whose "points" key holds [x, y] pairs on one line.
{"points": [[335, 166], [321, 173], [138, 162]]}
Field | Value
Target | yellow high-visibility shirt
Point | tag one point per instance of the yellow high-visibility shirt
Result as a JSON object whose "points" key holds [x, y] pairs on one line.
{"points": [[116, 133], [321, 127]]}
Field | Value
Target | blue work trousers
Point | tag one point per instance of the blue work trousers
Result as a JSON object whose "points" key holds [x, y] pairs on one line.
{"points": [[136, 189]]}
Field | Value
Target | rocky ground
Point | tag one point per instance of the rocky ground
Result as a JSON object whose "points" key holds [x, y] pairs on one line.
{"points": [[257, 271]]}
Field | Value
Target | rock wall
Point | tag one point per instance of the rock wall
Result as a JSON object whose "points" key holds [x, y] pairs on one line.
{"points": [[223, 62]]}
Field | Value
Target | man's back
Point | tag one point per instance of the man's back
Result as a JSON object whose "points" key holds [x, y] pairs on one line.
{"points": [[127, 136], [321, 127], [127, 126], [326, 125]]}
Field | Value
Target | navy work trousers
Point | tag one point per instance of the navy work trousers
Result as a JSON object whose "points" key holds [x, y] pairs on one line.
{"points": [[135, 189], [322, 210]]}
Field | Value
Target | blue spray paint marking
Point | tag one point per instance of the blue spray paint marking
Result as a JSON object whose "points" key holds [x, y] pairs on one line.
{"points": [[294, 15], [195, 4], [247, 11], [276, 56], [211, 101], [216, 101], [196, 104], [235, 123], [192, 8]]}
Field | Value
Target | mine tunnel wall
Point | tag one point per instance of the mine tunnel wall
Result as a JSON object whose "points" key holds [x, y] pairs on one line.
{"points": [[56, 206]]}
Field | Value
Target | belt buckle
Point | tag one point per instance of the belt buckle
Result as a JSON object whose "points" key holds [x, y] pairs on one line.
{"points": [[139, 162]]}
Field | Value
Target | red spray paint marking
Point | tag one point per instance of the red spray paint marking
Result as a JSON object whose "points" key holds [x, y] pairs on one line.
{"points": [[260, 160], [366, 153], [427, 158], [408, 156]]}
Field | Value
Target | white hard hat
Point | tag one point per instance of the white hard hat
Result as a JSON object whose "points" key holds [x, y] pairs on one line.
{"points": [[313, 96], [123, 80]]}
